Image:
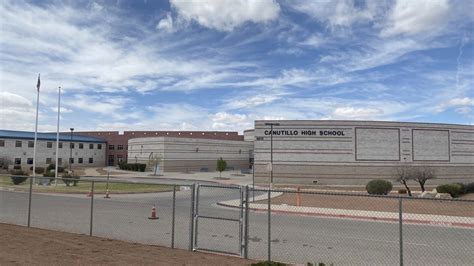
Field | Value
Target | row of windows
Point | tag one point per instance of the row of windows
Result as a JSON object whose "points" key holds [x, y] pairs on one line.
{"points": [[50, 160], [119, 147], [31, 144]]}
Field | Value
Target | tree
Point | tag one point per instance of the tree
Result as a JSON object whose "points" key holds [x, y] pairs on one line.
{"points": [[423, 174], [221, 166], [4, 162], [405, 173]]}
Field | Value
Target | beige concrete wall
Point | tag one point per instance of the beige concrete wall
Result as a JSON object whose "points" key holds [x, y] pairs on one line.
{"points": [[184, 154], [357, 151], [43, 152]]}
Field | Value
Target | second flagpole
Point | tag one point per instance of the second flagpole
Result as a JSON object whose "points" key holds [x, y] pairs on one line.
{"points": [[57, 140]]}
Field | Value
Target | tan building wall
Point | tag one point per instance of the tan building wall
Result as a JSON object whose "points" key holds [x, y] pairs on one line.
{"points": [[343, 152], [185, 154]]}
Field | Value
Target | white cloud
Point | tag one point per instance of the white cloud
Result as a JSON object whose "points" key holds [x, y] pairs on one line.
{"points": [[357, 112], [11, 100], [466, 101], [166, 24], [413, 17], [225, 15], [343, 13]]}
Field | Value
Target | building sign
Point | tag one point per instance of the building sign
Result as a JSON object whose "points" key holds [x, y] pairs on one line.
{"points": [[305, 132]]}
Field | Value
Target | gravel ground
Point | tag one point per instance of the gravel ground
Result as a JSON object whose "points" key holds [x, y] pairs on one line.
{"points": [[31, 246], [438, 207]]}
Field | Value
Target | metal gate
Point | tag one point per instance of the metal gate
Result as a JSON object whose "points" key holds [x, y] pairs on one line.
{"points": [[209, 214]]}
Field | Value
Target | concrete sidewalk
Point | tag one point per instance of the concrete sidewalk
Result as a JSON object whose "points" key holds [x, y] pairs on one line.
{"points": [[412, 218]]}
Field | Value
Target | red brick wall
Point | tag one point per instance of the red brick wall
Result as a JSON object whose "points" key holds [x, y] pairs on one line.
{"points": [[114, 138]]}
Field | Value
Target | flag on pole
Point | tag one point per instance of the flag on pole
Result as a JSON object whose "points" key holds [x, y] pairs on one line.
{"points": [[39, 83]]}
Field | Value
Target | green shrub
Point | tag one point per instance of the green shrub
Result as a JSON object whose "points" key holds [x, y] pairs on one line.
{"points": [[69, 179], [53, 166], [18, 172], [470, 188], [17, 179], [49, 174], [452, 189], [132, 166], [463, 188], [379, 187]]}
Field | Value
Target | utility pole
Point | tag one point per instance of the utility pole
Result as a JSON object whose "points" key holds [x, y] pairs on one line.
{"points": [[271, 151]]}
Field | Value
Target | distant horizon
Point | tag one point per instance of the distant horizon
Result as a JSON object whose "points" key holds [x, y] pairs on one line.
{"points": [[221, 65]]}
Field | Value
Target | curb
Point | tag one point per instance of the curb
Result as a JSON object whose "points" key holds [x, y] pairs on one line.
{"points": [[357, 217]]}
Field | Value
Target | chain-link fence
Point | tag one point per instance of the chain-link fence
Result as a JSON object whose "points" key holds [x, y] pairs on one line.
{"points": [[289, 226]]}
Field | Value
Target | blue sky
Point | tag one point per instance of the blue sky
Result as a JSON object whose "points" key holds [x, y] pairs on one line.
{"points": [[220, 65]]}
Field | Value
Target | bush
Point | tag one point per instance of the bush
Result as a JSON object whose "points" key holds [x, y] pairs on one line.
{"points": [[17, 167], [463, 188], [16, 180], [402, 191], [18, 172], [38, 170], [70, 178], [452, 189], [53, 166], [132, 166], [470, 188], [379, 187], [49, 174]]}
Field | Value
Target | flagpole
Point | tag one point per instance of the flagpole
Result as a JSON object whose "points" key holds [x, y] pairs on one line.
{"points": [[57, 139], [36, 129]]}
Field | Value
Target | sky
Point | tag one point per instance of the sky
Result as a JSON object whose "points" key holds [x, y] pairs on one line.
{"points": [[220, 65]]}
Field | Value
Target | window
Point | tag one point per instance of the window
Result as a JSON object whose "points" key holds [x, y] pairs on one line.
{"points": [[29, 161], [119, 158], [17, 160], [80, 160], [111, 147], [60, 145], [48, 160], [111, 160], [91, 146], [99, 146], [71, 160], [60, 161], [91, 160], [71, 145], [81, 145], [31, 144], [119, 147], [18, 144], [49, 145], [2, 143]]}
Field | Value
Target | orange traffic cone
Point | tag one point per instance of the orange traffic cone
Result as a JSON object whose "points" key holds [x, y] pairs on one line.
{"points": [[107, 196], [153, 214]]}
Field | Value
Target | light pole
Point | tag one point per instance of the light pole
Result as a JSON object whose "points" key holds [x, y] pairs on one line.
{"points": [[271, 151], [70, 151]]}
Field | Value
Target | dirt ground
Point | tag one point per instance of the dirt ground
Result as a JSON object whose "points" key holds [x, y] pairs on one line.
{"points": [[23, 246], [438, 207]]}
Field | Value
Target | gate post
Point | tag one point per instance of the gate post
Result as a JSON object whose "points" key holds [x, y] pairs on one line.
{"points": [[246, 224], [400, 222], [191, 218], [196, 218]]}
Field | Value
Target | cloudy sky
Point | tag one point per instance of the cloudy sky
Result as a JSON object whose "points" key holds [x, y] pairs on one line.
{"points": [[219, 65]]}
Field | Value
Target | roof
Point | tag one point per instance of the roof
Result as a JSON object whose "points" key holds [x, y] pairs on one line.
{"points": [[11, 134]]}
